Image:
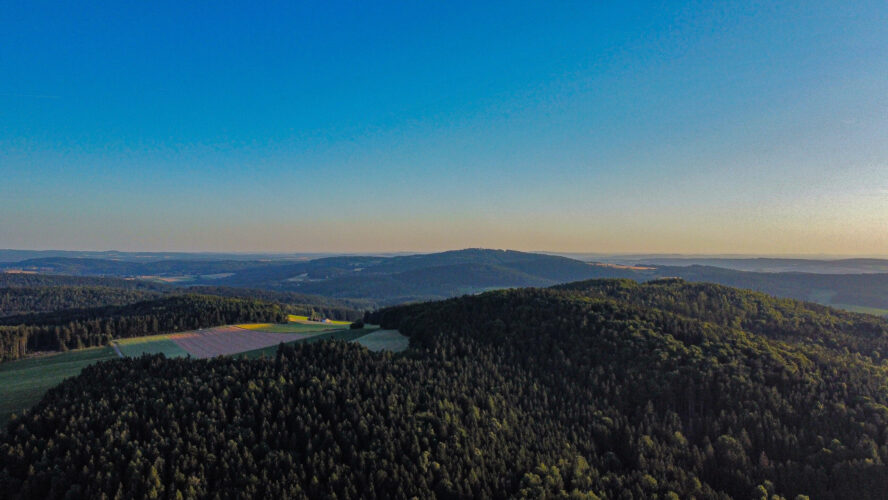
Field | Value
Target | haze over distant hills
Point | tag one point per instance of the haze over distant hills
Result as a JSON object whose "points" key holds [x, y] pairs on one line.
{"points": [[855, 284], [10, 255], [770, 264]]}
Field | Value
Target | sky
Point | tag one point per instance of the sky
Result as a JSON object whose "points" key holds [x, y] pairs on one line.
{"points": [[638, 127]]}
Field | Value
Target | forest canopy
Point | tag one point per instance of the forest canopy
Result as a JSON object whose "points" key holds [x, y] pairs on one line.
{"points": [[583, 392]]}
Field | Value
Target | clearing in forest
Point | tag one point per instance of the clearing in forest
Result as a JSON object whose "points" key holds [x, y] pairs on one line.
{"points": [[384, 340]]}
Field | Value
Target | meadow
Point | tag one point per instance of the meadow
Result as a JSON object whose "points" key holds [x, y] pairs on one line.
{"points": [[271, 351], [155, 344], [24, 382], [384, 340], [876, 311], [293, 327], [295, 318]]}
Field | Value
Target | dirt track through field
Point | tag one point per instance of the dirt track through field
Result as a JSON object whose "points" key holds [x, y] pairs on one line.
{"points": [[226, 340]]}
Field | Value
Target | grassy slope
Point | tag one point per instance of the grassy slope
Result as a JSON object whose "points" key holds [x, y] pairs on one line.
{"points": [[292, 327], [161, 345], [23, 382], [347, 335], [384, 340], [861, 309]]}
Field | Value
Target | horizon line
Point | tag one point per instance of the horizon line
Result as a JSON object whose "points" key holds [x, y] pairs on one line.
{"points": [[628, 254]]}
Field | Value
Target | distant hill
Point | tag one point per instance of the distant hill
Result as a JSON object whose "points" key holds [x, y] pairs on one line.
{"points": [[122, 268], [447, 274], [383, 280], [15, 280], [857, 292], [770, 265], [7, 255], [377, 280]]}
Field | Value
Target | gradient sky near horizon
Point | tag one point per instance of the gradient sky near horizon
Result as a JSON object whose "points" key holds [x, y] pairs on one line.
{"points": [[691, 127]]}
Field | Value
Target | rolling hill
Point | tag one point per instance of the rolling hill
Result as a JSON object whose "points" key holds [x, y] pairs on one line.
{"points": [[376, 280], [597, 389]]}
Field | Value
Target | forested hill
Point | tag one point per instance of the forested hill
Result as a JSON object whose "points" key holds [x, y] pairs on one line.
{"points": [[602, 390], [857, 284], [28, 300], [29, 280], [77, 328], [732, 386], [783, 319]]}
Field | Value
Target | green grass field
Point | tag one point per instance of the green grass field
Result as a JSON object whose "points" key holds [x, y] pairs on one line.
{"points": [[156, 346], [347, 335], [821, 296], [293, 327], [295, 318], [825, 297], [24, 382], [384, 340], [861, 309]]}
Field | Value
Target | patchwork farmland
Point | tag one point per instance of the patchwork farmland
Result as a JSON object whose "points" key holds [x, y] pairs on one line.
{"points": [[209, 342], [227, 340], [257, 339]]}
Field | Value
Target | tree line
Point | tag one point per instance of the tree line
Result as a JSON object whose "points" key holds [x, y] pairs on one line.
{"points": [[78, 328]]}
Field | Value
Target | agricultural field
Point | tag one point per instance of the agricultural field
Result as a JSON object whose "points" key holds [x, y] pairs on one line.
{"points": [[227, 340], [295, 318], [23, 382], [384, 340], [209, 342], [344, 334], [155, 344], [293, 327]]}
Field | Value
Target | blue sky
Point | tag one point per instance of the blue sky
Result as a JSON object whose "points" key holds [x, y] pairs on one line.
{"points": [[742, 127]]}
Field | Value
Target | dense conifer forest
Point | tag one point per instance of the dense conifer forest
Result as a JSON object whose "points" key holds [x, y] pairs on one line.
{"points": [[78, 328], [296, 303], [28, 280], [27, 300], [603, 389]]}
